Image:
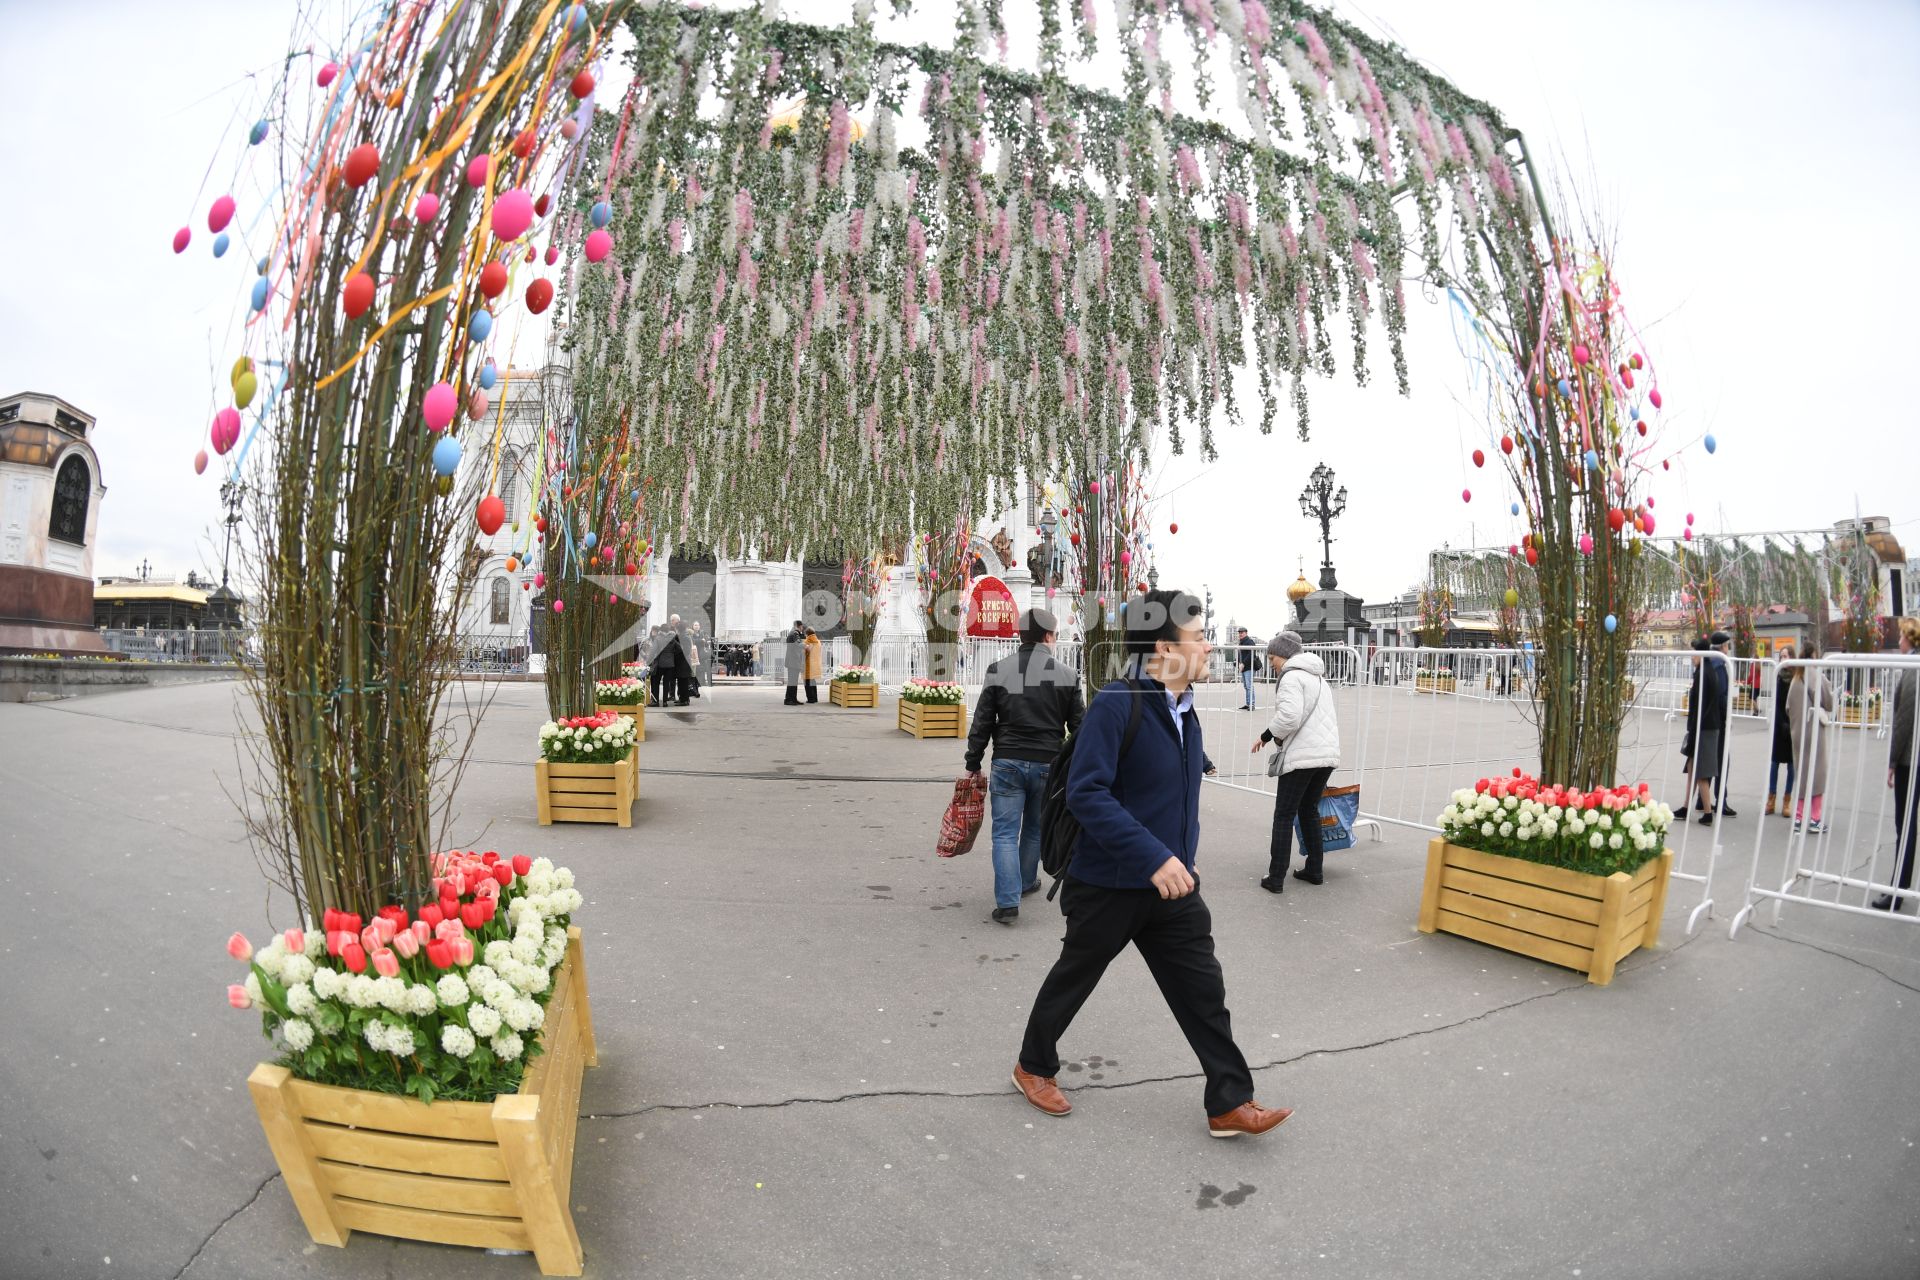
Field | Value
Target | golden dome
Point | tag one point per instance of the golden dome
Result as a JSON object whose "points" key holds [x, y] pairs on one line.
{"points": [[1300, 589]]}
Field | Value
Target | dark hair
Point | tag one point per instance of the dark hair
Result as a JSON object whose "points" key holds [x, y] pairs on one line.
{"points": [[1034, 626], [1156, 616]]}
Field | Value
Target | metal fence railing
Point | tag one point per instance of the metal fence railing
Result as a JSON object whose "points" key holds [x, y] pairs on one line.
{"points": [[186, 645]]}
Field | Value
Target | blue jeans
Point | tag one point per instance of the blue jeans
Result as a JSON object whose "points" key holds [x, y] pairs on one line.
{"points": [[1018, 788], [1246, 682], [1773, 775]]}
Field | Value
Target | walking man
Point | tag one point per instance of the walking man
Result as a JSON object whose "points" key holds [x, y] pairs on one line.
{"points": [[1131, 878], [796, 656], [1249, 663], [1029, 705]]}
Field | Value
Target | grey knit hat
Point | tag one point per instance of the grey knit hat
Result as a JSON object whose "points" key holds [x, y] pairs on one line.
{"points": [[1285, 645]]}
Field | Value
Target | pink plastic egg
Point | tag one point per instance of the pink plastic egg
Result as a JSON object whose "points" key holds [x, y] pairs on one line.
{"points": [[512, 214], [428, 206], [599, 244], [439, 406], [220, 214], [181, 239]]}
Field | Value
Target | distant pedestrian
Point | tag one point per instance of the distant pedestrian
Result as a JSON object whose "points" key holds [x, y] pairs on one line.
{"points": [[1131, 878], [1901, 759], [811, 643], [1029, 705], [1811, 703], [1782, 738], [1705, 742], [1305, 731], [796, 661], [1249, 654]]}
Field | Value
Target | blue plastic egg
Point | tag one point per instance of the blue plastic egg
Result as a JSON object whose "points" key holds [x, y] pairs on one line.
{"points": [[220, 243], [1711, 444], [488, 375], [1566, 388], [1516, 508], [601, 214], [446, 456], [262, 265], [575, 17], [589, 538], [260, 294], [480, 326], [258, 134], [1593, 460], [1634, 413], [1611, 623]]}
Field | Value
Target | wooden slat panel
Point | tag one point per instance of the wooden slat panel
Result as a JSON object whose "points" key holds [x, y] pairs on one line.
{"points": [[1526, 944], [1646, 874], [479, 1160], [1551, 901], [1557, 928], [1635, 921], [581, 770], [548, 1217], [472, 1230], [584, 786], [287, 1137], [421, 1191], [1493, 864], [356, 1108], [1640, 897], [566, 814]]}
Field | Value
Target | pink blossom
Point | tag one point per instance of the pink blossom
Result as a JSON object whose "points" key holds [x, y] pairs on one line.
{"points": [[386, 964], [1259, 26], [1201, 11], [774, 64], [239, 948], [295, 940], [462, 949], [449, 929], [1188, 168], [237, 997], [1088, 18], [407, 941], [676, 233], [839, 135], [1316, 50]]}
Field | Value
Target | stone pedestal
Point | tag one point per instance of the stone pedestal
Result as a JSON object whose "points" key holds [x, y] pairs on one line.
{"points": [[1330, 616]]}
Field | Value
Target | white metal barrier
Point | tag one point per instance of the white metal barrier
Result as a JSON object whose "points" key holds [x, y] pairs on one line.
{"points": [[1850, 856]]}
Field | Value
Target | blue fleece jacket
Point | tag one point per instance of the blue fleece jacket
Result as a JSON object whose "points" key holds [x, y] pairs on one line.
{"points": [[1134, 813]]}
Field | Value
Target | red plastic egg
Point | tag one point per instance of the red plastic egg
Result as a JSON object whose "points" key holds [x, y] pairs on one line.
{"points": [[1479, 458], [582, 85], [357, 296], [523, 143], [1506, 444], [491, 514], [541, 206], [539, 295], [1173, 528], [493, 279], [363, 162]]}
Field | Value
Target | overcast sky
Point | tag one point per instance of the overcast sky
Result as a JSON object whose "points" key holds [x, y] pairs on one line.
{"points": [[1757, 163]]}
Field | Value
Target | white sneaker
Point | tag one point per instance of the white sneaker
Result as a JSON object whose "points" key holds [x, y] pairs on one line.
{"points": [[1816, 828]]}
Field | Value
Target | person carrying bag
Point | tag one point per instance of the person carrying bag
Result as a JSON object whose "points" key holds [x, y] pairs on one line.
{"points": [[1305, 731]]}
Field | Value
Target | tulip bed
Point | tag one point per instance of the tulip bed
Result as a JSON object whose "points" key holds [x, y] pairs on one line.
{"points": [[445, 1001]]}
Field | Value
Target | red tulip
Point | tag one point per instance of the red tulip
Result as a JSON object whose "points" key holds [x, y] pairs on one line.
{"points": [[431, 915], [473, 915], [489, 857], [522, 864], [449, 910], [439, 955], [502, 874], [355, 956]]}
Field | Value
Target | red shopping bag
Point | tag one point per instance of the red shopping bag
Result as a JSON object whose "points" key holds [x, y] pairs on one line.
{"points": [[961, 822]]}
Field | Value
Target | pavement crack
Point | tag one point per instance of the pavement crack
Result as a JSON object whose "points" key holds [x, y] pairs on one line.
{"points": [[219, 1226], [961, 1095], [1838, 955]]}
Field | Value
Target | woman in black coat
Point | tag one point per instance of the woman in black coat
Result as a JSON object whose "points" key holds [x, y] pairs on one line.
{"points": [[1782, 738]]}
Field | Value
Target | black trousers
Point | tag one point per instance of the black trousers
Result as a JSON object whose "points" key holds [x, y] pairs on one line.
{"points": [[813, 692], [1904, 822], [1175, 938], [793, 694], [1298, 793]]}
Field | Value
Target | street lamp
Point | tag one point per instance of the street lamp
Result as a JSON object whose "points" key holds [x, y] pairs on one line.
{"points": [[1319, 501], [1048, 522], [232, 493]]}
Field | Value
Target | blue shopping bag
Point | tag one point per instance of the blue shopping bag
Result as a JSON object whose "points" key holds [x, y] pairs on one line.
{"points": [[1339, 810]]}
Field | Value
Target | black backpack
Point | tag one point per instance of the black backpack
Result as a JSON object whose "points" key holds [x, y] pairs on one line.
{"points": [[1059, 829]]}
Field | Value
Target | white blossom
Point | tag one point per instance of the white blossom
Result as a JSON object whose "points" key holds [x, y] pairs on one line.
{"points": [[298, 1034], [451, 990], [300, 999], [507, 1047], [457, 1041], [483, 1020]]}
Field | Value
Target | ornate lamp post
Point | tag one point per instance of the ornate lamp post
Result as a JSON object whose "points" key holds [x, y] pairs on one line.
{"points": [[232, 492], [1050, 570], [1319, 501]]}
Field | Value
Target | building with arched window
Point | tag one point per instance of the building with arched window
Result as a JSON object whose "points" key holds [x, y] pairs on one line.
{"points": [[50, 491]]}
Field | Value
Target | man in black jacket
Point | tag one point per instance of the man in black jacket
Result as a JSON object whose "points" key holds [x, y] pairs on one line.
{"points": [[1249, 655], [1028, 700], [1705, 742]]}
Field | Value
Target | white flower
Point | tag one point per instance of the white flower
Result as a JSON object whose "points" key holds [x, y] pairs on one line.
{"points": [[1525, 832], [457, 1041], [270, 957], [296, 969], [1592, 816], [1506, 828], [1486, 828], [499, 995], [300, 999], [298, 1034], [1556, 813], [1596, 840], [316, 942], [252, 984], [1606, 822], [421, 1000], [1615, 841], [377, 1035], [479, 975], [1576, 827], [361, 991], [400, 1041], [483, 1020], [1549, 829], [507, 1047], [497, 953], [564, 877], [539, 981], [526, 946], [519, 1014], [1511, 802], [391, 994], [452, 991], [328, 983]]}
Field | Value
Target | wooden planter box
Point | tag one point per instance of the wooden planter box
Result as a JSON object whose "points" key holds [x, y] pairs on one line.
{"points": [[845, 693], [587, 792], [492, 1175], [638, 711], [1425, 683], [1743, 701], [933, 720], [1584, 922], [1856, 717]]}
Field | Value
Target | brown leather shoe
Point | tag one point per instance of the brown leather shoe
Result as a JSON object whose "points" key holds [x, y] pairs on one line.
{"points": [[1042, 1092], [1248, 1117]]}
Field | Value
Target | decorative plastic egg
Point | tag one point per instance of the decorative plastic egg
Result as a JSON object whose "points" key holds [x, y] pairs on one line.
{"points": [[260, 290], [1611, 623], [363, 164], [181, 239], [1711, 444], [491, 512], [599, 245], [601, 213], [446, 456], [1515, 508], [220, 243], [489, 374], [220, 214], [257, 134], [439, 406], [512, 214], [327, 73], [479, 326], [1512, 597], [477, 170]]}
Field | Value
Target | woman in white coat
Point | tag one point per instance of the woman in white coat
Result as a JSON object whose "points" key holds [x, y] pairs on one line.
{"points": [[1305, 732]]}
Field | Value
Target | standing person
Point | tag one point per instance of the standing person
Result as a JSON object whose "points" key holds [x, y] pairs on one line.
{"points": [[812, 646], [1782, 737], [1306, 730], [1811, 704], [1029, 705], [1249, 655], [796, 658], [668, 658], [1131, 878], [1707, 726], [1900, 767]]}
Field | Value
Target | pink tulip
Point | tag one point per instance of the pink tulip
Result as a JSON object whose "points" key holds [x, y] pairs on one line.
{"points": [[422, 932], [237, 997], [462, 949], [386, 964], [406, 944], [448, 930], [296, 941], [488, 888], [370, 938], [385, 926], [239, 948]]}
